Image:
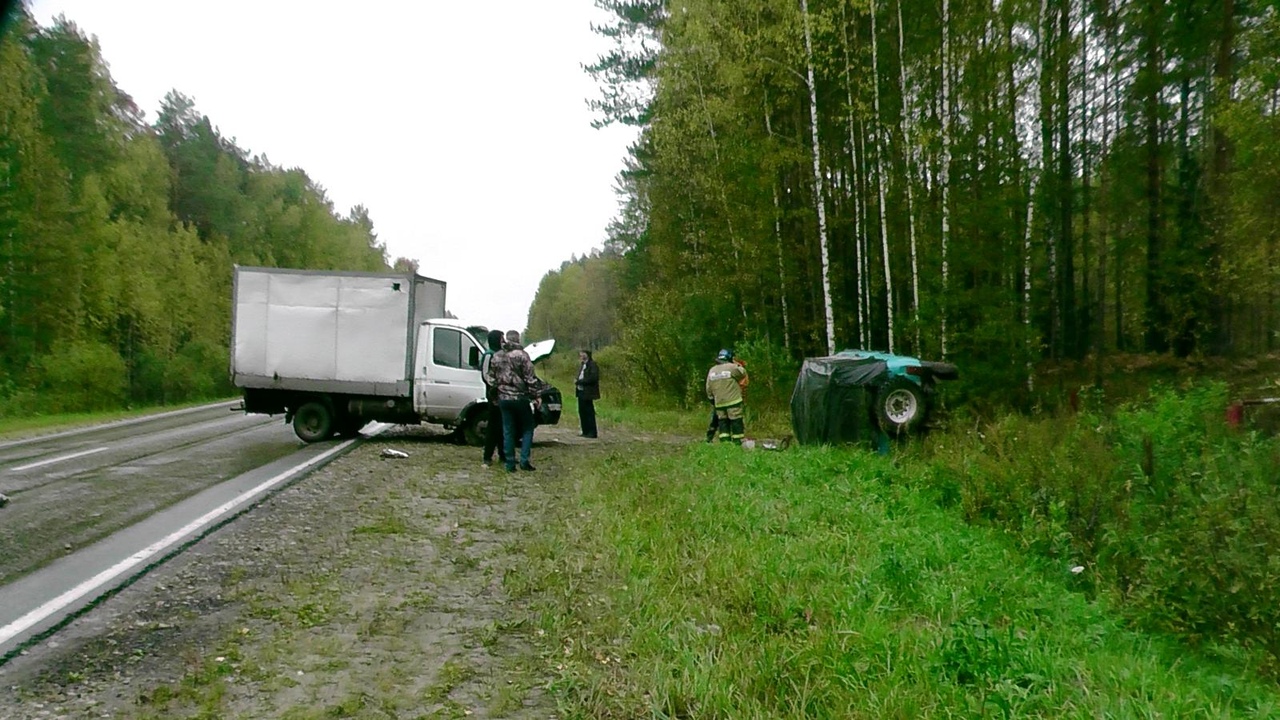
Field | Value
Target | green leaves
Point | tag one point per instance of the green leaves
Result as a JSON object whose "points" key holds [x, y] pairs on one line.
{"points": [[1145, 129], [117, 240]]}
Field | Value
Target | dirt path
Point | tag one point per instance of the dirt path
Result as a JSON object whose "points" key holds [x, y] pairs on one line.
{"points": [[373, 588]]}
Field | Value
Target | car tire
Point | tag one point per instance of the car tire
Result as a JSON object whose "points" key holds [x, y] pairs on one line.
{"points": [[313, 422], [476, 427], [900, 407], [942, 370]]}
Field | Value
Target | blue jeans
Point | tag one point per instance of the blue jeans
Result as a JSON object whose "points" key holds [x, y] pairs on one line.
{"points": [[517, 416]]}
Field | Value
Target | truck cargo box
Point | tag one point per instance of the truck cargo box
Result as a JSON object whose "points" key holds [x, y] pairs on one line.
{"points": [[329, 331]]}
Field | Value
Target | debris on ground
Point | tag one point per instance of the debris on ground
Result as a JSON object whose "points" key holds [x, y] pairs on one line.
{"points": [[389, 453], [4, 500], [766, 444]]}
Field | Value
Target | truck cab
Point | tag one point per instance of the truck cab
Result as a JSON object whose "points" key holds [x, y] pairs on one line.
{"points": [[448, 388], [447, 383]]}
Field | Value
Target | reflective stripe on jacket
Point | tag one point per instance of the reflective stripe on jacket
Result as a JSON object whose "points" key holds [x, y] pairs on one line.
{"points": [[723, 384]]}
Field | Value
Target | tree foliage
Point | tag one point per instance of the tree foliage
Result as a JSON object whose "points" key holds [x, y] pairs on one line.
{"points": [[117, 238], [576, 304], [1109, 172]]}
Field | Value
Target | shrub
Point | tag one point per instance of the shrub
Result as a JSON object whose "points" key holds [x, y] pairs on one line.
{"points": [[772, 369], [1170, 510], [80, 376], [666, 344]]}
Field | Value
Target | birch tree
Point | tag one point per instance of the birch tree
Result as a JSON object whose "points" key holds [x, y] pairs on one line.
{"points": [[944, 166], [819, 191], [880, 181]]}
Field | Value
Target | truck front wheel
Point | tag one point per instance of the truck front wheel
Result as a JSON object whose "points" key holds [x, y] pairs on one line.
{"points": [[475, 427], [313, 422]]}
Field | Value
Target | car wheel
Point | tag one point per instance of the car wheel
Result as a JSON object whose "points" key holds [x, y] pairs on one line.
{"points": [[313, 422], [900, 407], [942, 370], [476, 427]]}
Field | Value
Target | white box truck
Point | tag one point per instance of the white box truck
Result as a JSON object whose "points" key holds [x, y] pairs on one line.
{"points": [[333, 351]]}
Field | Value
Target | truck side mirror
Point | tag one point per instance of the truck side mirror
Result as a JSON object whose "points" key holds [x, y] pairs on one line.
{"points": [[473, 357]]}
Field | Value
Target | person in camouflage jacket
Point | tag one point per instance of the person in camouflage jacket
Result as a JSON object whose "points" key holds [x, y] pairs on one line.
{"points": [[511, 372]]}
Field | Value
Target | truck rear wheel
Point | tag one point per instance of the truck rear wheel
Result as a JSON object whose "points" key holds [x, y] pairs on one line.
{"points": [[313, 422]]}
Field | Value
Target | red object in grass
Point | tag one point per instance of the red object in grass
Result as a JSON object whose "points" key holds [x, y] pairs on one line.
{"points": [[1235, 414]]}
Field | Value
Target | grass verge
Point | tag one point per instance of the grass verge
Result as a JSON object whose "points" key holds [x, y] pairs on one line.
{"points": [[715, 582]]}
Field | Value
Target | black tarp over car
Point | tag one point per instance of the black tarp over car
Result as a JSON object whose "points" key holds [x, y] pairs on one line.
{"points": [[833, 398]]}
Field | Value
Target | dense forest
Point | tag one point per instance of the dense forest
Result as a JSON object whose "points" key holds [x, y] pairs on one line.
{"points": [[1004, 183], [117, 236]]}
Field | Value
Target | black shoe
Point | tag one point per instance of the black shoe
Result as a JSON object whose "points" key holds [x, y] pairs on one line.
{"points": [[511, 468], [527, 467]]}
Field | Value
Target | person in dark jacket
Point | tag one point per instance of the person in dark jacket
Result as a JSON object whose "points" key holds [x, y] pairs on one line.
{"points": [[493, 437], [588, 391], [511, 372]]}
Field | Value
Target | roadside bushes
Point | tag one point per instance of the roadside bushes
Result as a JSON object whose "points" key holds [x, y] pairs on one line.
{"points": [[197, 371], [1166, 508], [666, 345], [90, 376], [78, 377]]}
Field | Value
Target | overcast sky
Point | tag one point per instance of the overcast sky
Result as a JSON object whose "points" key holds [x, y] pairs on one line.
{"points": [[462, 126]]}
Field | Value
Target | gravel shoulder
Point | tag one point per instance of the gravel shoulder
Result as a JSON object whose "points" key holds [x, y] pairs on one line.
{"points": [[371, 588]]}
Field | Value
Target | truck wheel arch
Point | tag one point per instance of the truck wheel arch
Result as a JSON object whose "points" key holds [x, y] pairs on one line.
{"points": [[475, 419]]}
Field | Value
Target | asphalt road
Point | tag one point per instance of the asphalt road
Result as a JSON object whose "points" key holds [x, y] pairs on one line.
{"points": [[90, 509]]}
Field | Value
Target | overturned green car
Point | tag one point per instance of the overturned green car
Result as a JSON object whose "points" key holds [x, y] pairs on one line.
{"points": [[849, 396]]}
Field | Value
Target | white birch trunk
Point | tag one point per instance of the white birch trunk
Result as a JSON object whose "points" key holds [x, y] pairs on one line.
{"points": [[863, 312], [1026, 283], [945, 169], [1103, 173], [906, 156], [818, 185], [884, 226], [864, 261], [777, 236]]}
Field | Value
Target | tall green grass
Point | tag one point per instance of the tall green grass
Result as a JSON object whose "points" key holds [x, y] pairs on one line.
{"points": [[1174, 515], [713, 582]]}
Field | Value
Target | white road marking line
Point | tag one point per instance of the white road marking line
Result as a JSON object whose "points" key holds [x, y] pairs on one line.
{"points": [[24, 623], [51, 461]]}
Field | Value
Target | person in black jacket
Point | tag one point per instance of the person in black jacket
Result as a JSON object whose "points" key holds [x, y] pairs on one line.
{"points": [[493, 439], [588, 391]]}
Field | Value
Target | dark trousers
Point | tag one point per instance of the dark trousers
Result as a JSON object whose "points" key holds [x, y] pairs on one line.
{"points": [[517, 418], [587, 416], [715, 425], [728, 423], [493, 435]]}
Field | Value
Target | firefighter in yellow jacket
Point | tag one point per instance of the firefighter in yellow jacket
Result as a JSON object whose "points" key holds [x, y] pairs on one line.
{"points": [[724, 388]]}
